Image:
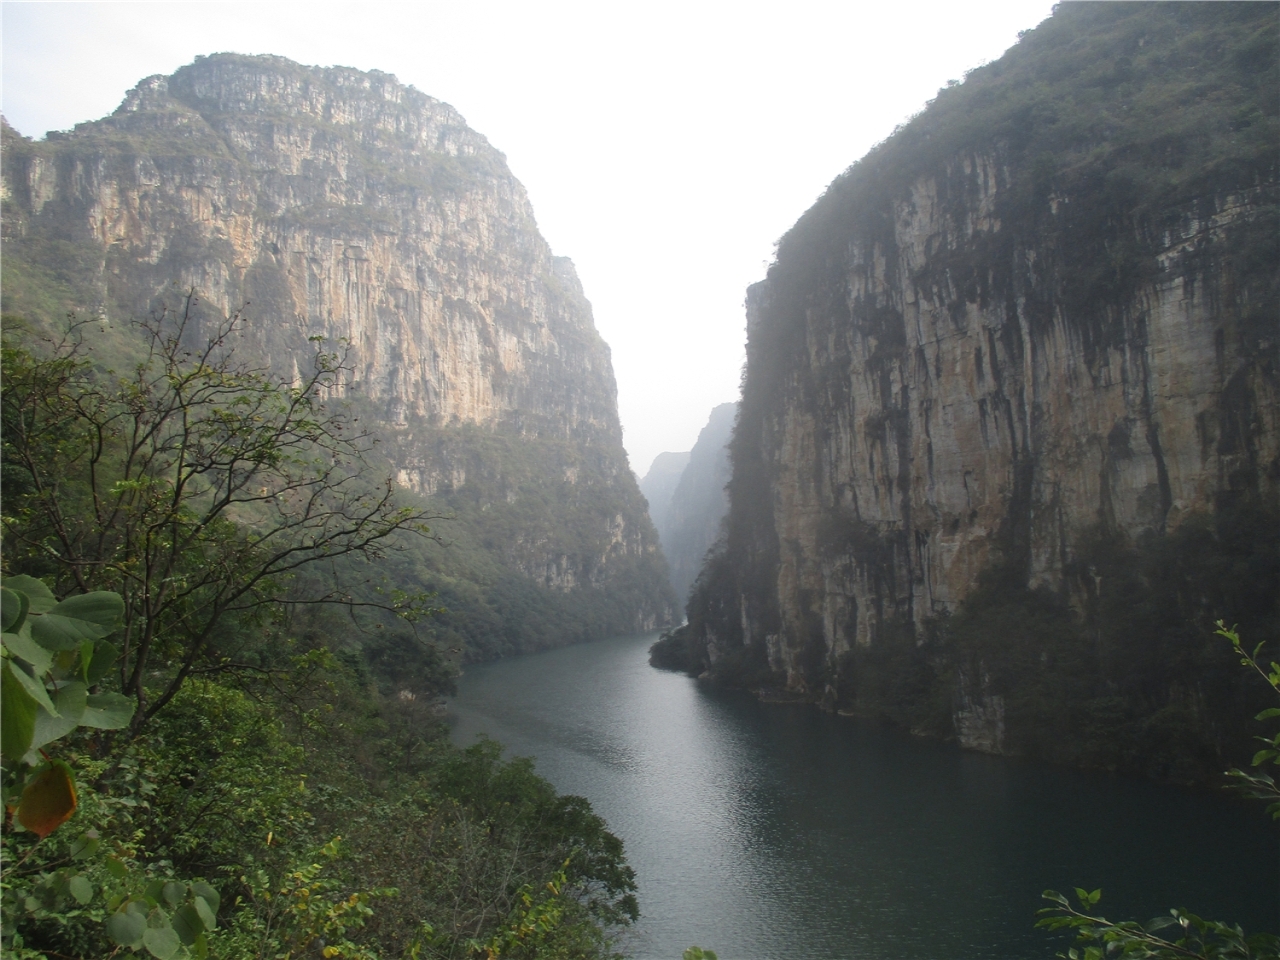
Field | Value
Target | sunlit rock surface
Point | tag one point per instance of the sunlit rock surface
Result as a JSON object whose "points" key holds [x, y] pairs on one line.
{"points": [[329, 202]]}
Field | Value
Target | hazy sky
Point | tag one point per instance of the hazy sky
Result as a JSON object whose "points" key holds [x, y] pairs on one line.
{"points": [[665, 146]]}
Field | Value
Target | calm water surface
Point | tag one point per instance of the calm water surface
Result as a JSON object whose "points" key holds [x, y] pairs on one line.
{"points": [[764, 830]]}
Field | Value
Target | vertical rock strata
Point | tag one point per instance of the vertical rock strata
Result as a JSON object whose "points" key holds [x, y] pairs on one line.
{"points": [[957, 434], [345, 205], [1044, 314]]}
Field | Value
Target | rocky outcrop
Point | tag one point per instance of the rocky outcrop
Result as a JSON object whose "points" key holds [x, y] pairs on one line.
{"points": [[1040, 318], [345, 205]]}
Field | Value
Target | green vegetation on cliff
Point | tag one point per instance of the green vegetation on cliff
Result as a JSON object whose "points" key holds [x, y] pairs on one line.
{"points": [[522, 565]]}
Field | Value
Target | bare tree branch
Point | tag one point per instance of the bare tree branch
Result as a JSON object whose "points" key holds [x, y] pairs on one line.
{"points": [[198, 486]]}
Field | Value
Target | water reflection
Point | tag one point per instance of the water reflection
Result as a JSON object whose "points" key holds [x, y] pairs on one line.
{"points": [[776, 831]]}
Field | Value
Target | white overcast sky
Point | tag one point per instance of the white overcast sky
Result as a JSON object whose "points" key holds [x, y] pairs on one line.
{"points": [[665, 146]]}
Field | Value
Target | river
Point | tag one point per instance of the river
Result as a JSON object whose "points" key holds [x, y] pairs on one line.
{"points": [[777, 831]]}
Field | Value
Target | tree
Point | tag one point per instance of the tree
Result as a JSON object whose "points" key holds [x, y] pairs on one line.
{"points": [[198, 487]]}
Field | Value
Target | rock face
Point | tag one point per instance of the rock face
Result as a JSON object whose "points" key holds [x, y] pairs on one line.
{"points": [[340, 204], [660, 483], [1042, 317], [963, 435], [691, 517]]}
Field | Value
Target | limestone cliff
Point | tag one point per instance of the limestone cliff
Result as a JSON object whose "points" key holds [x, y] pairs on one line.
{"points": [[340, 204], [1009, 383]]}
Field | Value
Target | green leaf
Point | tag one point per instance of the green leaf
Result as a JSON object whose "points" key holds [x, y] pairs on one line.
{"points": [[18, 710], [108, 711], [79, 619], [127, 927], [22, 646], [173, 892], [70, 701], [33, 686], [188, 924], [161, 942], [200, 949], [1268, 713], [56, 631], [85, 846], [105, 653], [207, 911], [64, 664], [208, 894], [81, 889], [13, 609], [40, 598], [102, 607], [116, 867], [86, 658]]}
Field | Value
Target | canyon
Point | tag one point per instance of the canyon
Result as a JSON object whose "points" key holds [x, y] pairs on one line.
{"points": [[687, 500]]}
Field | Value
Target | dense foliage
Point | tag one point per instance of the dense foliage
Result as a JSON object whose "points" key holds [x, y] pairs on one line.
{"points": [[297, 808], [284, 788]]}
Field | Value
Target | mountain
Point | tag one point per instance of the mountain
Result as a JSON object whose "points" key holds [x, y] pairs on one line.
{"points": [[345, 205], [660, 483], [691, 519], [1009, 438]]}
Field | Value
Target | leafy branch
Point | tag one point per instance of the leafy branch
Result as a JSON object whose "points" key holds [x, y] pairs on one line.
{"points": [[198, 488], [1197, 939], [1259, 785]]}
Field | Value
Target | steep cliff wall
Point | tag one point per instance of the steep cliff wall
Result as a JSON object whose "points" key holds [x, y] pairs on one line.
{"points": [[660, 483], [691, 521], [340, 204], [1008, 381]]}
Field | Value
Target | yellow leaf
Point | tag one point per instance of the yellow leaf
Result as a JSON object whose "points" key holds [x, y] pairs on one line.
{"points": [[49, 800]]}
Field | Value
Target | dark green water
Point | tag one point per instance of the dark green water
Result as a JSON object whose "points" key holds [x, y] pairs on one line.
{"points": [[768, 831]]}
